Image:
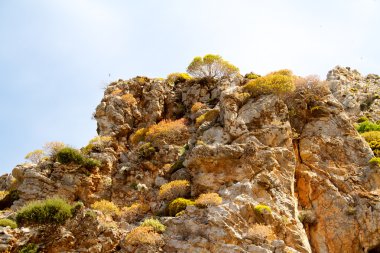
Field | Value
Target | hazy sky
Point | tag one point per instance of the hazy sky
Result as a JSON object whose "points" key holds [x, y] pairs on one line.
{"points": [[57, 55]]}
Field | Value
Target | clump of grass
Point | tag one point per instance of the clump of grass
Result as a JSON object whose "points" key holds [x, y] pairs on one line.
{"points": [[54, 210], [8, 223], [208, 199], [178, 205], [155, 224], [174, 189]]}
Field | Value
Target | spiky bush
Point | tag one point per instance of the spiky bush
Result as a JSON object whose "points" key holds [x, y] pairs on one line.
{"points": [[174, 189], [54, 210], [135, 211], [208, 199], [179, 205]]}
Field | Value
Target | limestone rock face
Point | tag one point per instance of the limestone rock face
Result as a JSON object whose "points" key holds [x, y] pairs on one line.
{"points": [[360, 95], [292, 171]]}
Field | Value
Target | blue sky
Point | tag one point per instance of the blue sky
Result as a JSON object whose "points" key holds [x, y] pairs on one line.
{"points": [[57, 55]]}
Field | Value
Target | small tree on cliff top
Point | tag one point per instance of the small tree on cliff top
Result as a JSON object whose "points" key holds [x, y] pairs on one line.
{"points": [[211, 66]]}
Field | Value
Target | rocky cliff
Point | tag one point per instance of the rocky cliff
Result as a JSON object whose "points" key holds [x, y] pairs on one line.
{"points": [[291, 169]]}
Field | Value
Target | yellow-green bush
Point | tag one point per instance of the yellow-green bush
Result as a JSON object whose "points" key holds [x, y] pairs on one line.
{"points": [[138, 136], [178, 205], [207, 117], [208, 199], [260, 208], [106, 207], [174, 189], [211, 66], [367, 126], [373, 139], [155, 224], [70, 155], [178, 77], [146, 151], [54, 210], [251, 75], [279, 82], [98, 142], [29, 248], [375, 160], [8, 222]]}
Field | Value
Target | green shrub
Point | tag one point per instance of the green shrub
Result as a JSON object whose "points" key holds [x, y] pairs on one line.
{"points": [[373, 139], [251, 75], [106, 207], [54, 210], [260, 208], [8, 222], [174, 189], [70, 155], [362, 119], [29, 248], [279, 82], [138, 136], [90, 163], [367, 126], [207, 117], [155, 224], [146, 151], [179, 205], [375, 160], [211, 66]]}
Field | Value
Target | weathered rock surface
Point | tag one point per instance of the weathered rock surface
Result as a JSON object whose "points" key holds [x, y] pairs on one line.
{"points": [[299, 156]]}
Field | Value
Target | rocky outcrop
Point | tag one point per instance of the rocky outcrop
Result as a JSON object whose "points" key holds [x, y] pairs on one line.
{"points": [[359, 95], [292, 170]]}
